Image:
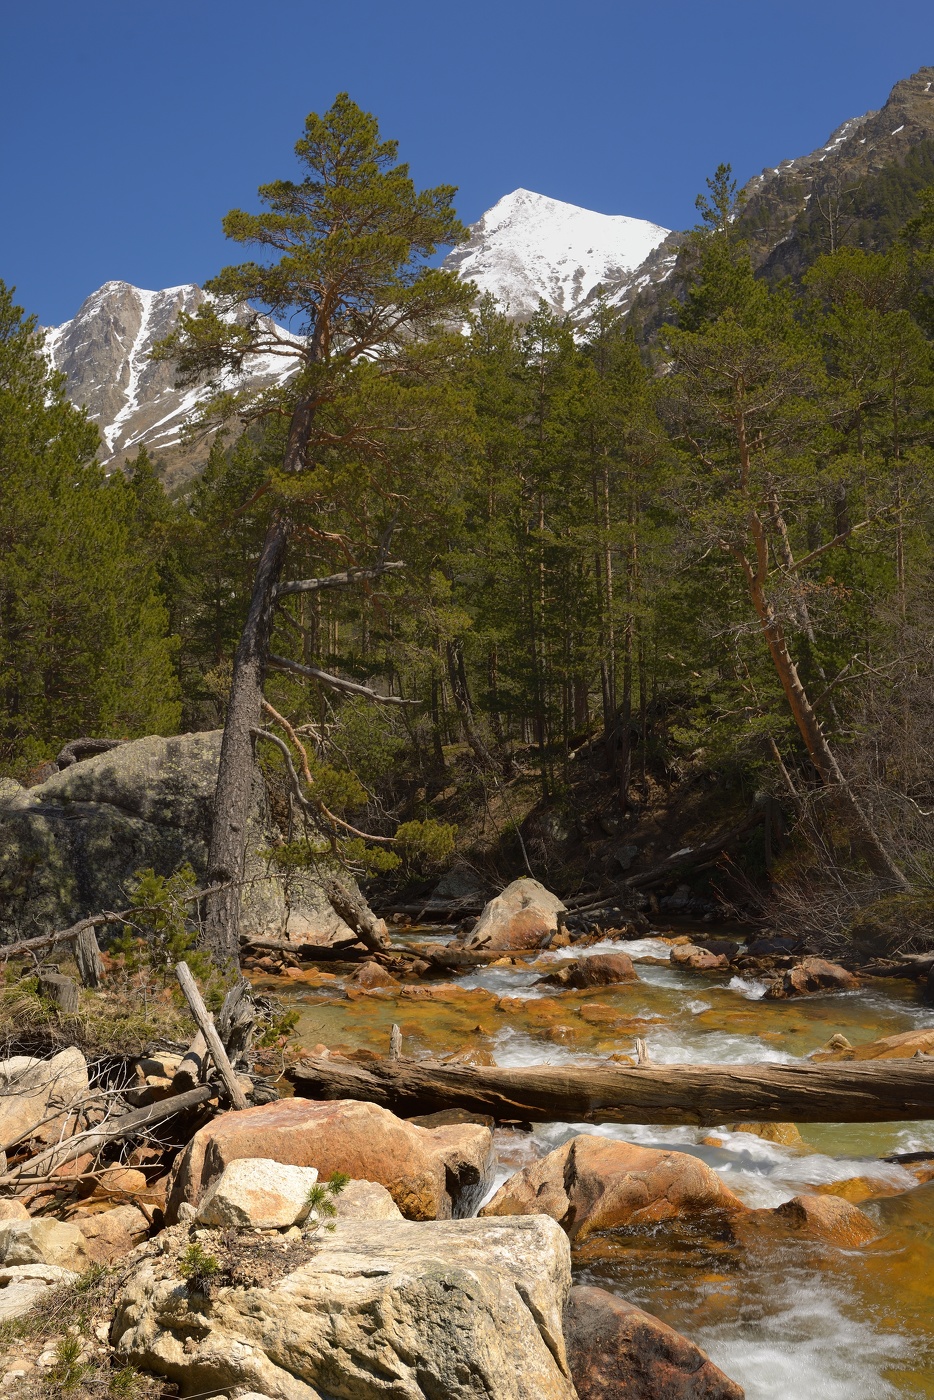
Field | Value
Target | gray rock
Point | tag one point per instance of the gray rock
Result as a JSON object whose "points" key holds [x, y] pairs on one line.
{"points": [[71, 845], [459, 1309]]}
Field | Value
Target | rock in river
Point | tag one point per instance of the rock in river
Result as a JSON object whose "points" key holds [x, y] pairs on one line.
{"points": [[431, 1173], [616, 1350], [812, 975], [599, 970], [593, 1183], [453, 1309], [521, 917]]}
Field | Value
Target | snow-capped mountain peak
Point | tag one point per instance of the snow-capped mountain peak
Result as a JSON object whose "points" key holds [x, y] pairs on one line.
{"points": [[529, 246]]}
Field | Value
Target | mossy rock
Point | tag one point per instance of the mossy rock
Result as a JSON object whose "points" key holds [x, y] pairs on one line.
{"points": [[899, 923]]}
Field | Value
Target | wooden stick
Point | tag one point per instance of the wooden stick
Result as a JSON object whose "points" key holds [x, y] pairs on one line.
{"points": [[189, 1070], [40, 1167], [395, 1043], [205, 1024], [704, 1095]]}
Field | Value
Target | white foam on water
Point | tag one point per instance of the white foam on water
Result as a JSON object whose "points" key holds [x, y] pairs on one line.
{"points": [[801, 1340], [632, 947], [749, 988]]}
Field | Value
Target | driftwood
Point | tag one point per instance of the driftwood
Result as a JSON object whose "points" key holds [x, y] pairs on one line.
{"points": [[191, 1067], [704, 1095], [909, 965], [128, 1125], [205, 1024]]}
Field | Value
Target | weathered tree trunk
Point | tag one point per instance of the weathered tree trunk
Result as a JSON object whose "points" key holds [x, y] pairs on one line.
{"points": [[457, 675], [704, 1095], [350, 905], [234, 792]]}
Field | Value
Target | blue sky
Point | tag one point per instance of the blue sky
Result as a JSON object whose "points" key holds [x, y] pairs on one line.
{"points": [[127, 130]]}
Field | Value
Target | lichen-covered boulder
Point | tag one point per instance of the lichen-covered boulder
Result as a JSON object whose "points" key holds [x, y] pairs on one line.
{"points": [[454, 1309], [71, 845]]}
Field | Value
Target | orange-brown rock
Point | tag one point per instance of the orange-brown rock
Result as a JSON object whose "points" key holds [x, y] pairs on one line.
{"points": [[522, 916], [809, 1216], [786, 1134], [698, 959], [112, 1233], [122, 1181], [599, 970], [616, 1350], [372, 975], [593, 1183], [812, 975], [890, 1047], [431, 1174]]}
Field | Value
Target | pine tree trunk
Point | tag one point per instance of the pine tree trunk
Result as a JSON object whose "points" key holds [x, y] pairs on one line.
{"points": [[234, 792], [865, 839]]}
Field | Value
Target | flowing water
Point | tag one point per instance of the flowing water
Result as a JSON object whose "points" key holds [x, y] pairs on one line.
{"points": [[788, 1320]]}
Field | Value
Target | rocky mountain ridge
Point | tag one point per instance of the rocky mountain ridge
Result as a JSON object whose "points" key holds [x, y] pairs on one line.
{"points": [[857, 187]]}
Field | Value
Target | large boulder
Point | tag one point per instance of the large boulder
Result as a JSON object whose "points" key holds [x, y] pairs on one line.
{"points": [[594, 1183], [521, 917], [71, 845], [36, 1096], [615, 1349], [431, 1173], [697, 959], [812, 975], [453, 1309], [599, 970], [42, 1240]]}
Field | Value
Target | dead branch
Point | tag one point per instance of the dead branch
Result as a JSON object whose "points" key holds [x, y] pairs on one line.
{"points": [[281, 663]]}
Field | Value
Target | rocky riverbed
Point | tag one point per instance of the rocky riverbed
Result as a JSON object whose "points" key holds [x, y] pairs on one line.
{"points": [[782, 1311]]}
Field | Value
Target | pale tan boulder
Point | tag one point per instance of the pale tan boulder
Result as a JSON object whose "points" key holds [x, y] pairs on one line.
{"points": [[22, 1286], [890, 1047], [698, 959], [431, 1174], [260, 1192], [13, 1210], [827, 1218], [453, 1309], [521, 917], [594, 1183], [42, 1240], [366, 1200], [599, 970], [33, 1090]]}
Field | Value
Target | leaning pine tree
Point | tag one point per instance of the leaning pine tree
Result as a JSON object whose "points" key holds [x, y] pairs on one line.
{"points": [[345, 264]]}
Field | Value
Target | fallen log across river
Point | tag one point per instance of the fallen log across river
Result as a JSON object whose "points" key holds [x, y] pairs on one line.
{"points": [[700, 1095]]}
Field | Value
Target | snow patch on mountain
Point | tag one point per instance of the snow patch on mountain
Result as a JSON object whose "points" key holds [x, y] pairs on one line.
{"points": [[106, 353], [529, 247]]}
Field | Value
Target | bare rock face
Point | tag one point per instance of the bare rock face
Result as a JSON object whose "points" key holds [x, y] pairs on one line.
{"points": [[812, 975], [593, 1183], [453, 1309], [521, 917], [260, 1192], [431, 1173], [599, 970], [71, 845], [698, 959], [43, 1241], [34, 1090], [616, 1349]]}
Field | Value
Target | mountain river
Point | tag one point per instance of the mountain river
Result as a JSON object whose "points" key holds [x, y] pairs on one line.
{"points": [[788, 1321]]}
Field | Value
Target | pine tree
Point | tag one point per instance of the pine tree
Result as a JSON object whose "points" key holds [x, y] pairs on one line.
{"points": [[84, 646], [346, 263]]}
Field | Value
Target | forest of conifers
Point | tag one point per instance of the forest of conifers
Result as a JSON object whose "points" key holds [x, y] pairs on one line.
{"points": [[704, 543]]}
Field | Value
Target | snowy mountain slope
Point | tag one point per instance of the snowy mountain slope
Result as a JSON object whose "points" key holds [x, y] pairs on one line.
{"points": [[529, 247], [105, 350]]}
